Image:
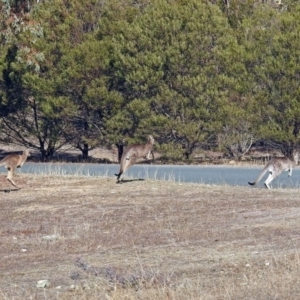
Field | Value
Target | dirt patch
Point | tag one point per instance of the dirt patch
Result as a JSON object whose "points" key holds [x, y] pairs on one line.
{"points": [[91, 238]]}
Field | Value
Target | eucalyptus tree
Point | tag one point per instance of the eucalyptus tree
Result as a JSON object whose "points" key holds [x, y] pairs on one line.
{"points": [[18, 34], [15, 21], [41, 119], [34, 108]]}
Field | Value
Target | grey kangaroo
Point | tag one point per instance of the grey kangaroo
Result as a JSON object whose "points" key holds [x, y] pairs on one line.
{"points": [[13, 161], [132, 153], [275, 167]]}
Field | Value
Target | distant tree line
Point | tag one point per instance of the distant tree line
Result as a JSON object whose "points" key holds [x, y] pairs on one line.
{"points": [[194, 74]]}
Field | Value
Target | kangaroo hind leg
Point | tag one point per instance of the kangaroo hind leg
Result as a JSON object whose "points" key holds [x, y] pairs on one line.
{"points": [[125, 164], [270, 178], [130, 160], [10, 176]]}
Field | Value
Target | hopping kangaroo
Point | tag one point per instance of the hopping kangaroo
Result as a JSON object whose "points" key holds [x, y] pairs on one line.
{"points": [[13, 161], [134, 152], [275, 166]]}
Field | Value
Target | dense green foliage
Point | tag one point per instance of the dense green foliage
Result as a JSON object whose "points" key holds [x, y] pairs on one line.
{"points": [[195, 74]]}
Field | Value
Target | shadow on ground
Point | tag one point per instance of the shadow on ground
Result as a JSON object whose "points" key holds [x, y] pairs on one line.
{"points": [[130, 180], [9, 190]]}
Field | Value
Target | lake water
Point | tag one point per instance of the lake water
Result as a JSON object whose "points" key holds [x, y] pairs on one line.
{"points": [[220, 175]]}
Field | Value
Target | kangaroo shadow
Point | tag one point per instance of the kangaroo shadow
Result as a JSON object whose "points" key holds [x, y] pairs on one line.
{"points": [[9, 190], [129, 180]]}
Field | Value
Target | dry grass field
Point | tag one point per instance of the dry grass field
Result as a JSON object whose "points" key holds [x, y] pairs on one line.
{"points": [[91, 238]]}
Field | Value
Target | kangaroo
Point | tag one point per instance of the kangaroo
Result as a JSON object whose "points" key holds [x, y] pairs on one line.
{"points": [[13, 161], [132, 153], [275, 167]]}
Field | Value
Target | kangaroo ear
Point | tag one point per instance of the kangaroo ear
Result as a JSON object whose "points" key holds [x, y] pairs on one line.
{"points": [[150, 138]]}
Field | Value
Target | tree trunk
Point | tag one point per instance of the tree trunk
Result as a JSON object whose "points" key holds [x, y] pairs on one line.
{"points": [[85, 151], [42, 150]]}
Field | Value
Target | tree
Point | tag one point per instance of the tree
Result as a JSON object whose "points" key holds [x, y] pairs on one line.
{"points": [[276, 71], [32, 107], [33, 78], [177, 71], [86, 81], [237, 134]]}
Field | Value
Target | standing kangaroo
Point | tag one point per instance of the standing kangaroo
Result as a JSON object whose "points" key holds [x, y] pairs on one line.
{"points": [[275, 167], [13, 161], [134, 152]]}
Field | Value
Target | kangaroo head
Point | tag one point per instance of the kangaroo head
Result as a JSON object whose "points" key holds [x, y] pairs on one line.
{"points": [[150, 139]]}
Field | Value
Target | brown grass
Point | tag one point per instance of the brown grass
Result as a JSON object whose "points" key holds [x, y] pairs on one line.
{"points": [[147, 240]]}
